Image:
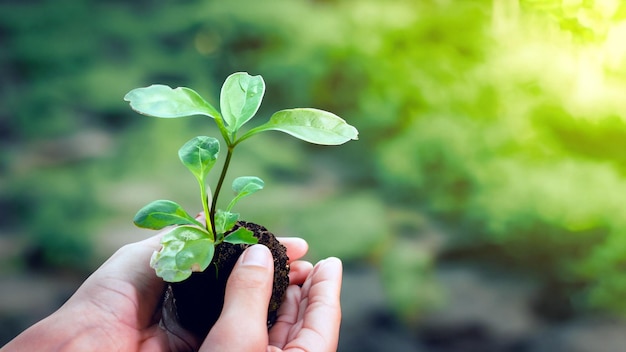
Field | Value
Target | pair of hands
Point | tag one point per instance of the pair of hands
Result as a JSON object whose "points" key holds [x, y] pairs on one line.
{"points": [[118, 308]]}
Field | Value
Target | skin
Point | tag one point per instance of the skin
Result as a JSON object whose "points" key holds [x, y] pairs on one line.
{"points": [[117, 308]]}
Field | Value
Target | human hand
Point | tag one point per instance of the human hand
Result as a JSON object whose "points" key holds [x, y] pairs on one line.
{"points": [[308, 320], [117, 307]]}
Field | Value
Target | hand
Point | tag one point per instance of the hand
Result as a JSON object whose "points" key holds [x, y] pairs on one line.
{"points": [[308, 320], [117, 307]]}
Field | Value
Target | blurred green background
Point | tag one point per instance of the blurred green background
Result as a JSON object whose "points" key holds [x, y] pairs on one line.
{"points": [[491, 132]]}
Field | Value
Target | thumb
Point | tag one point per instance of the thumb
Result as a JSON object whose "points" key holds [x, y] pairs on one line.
{"points": [[242, 326]]}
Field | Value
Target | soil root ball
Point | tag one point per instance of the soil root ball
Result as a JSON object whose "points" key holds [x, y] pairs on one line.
{"points": [[196, 303]]}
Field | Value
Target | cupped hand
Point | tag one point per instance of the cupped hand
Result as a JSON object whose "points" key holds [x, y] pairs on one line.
{"points": [[117, 307], [308, 320]]}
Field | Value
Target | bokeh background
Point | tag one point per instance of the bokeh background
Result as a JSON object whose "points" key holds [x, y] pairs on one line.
{"points": [[482, 208]]}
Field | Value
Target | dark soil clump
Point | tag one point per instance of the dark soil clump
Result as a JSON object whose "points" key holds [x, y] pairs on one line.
{"points": [[198, 301]]}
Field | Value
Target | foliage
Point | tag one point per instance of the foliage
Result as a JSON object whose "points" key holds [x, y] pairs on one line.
{"points": [[586, 20], [57, 223], [519, 151], [189, 246]]}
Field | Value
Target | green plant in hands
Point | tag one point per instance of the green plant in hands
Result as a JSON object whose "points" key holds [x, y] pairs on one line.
{"points": [[190, 245]]}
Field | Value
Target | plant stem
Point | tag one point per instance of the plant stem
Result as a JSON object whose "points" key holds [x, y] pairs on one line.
{"points": [[223, 130], [216, 193], [205, 206]]}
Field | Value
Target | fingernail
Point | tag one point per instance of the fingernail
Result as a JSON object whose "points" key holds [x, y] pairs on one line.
{"points": [[257, 255]]}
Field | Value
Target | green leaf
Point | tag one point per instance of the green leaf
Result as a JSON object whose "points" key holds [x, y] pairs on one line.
{"points": [[241, 236], [163, 213], [199, 155], [243, 187], [247, 185], [162, 101], [240, 98], [224, 220], [186, 249], [310, 125]]}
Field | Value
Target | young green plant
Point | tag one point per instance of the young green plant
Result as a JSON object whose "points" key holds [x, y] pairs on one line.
{"points": [[190, 245]]}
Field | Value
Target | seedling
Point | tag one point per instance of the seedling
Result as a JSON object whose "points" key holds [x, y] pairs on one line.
{"points": [[190, 245]]}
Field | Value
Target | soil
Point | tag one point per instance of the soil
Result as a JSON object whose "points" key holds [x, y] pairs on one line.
{"points": [[197, 302]]}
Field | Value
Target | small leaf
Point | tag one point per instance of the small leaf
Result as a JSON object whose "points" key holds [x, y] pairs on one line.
{"points": [[240, 98], [245, 186], [310, 125], [241, 236], [199, 155], [162, 101], [224, 220], [163, 213], [186, 249]]}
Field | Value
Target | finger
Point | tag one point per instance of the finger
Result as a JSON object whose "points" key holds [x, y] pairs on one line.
{"points": [[287, 316], [296, 247], [248, 292], [288, 312], [298, 272], [127, 274], [320, 310], [323, 314], [132, 263]]}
